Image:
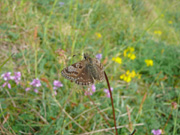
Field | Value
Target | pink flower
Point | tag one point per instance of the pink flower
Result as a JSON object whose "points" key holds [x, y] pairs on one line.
{"points": [[156, 132], [8, 84], [93, 87], [27, 89], [36, 83], [99, 56], [57, 84], [55, 92], [90, 91], [7, 76], [17, 77], [107, 92], [61, 4], [36, 90]]}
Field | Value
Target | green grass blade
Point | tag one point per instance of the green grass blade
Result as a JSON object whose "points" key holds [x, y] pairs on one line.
{"points": [[6, 61]]}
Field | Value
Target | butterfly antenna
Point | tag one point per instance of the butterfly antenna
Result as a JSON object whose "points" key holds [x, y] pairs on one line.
{"points": [[76, 54]]}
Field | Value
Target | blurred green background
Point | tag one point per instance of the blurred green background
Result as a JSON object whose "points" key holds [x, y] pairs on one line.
{"points": [[140, 47]]}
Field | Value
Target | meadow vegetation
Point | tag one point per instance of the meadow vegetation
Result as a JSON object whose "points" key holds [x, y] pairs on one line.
{"points": [[139, 45]]}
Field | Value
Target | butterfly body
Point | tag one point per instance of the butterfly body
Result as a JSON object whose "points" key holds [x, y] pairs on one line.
{"points": [[85, 71], [92, 69]]}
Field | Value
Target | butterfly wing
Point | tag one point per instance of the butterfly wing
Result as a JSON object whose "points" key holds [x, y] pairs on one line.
{"points": [[78, 72], [84, 78], [99, 68], [73, 71]]}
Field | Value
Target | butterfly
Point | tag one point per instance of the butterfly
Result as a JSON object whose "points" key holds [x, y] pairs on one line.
{"points": [[85, 71]]}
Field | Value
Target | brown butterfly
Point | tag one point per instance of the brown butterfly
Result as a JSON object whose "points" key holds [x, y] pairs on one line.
{"points": [[85, 71]]}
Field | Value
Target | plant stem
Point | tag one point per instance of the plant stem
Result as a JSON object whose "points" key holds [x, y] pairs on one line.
{"points": [[97, 109], [111, 102], [3, 63], [167, 119]]}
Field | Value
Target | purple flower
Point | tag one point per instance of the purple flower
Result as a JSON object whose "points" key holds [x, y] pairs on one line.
{"points": [[7, 76], [4, 84], [99, 56], [36, 90], [17, 77], [36, 83], [156, 132], [107, 92], [27, 89], [55, 92], [57, 84], [61, 4], [93, 87], [90, 91], [8, 84]]}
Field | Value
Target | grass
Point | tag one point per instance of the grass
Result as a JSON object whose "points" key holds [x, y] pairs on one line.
{"points": [[35, 31]]}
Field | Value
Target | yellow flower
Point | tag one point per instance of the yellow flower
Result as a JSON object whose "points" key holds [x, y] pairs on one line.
{"points": [[129, 53], [125, 53], [133, 74], [117, 59], [158, 32], [127, 78], [133, 56], [131, 49], [127, 72], [170, 22], [149, 62], [98, 35], [162, 15], [122, 76]]}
